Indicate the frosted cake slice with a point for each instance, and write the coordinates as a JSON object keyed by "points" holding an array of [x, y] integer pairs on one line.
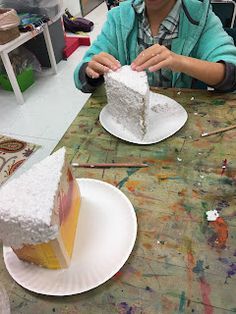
{"points": [[128, 99], [39, 213]]}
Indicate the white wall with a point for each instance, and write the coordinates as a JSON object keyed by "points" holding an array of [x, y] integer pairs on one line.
{"points": [[73, 6]]}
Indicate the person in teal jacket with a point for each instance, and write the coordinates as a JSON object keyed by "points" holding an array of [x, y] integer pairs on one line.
{"points": [[178, 43]]}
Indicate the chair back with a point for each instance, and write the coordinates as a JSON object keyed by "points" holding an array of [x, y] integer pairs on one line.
{"points": [[226, 11]]}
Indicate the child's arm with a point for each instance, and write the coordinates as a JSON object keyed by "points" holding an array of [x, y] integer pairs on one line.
{"points": [[156, 57], [214, 61]]}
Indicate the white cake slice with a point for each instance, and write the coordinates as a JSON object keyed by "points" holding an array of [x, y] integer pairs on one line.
{"points": [[128, 99], [39, 212]]}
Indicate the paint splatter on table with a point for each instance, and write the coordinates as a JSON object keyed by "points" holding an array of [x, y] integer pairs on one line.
{"points": [[181, 263]]}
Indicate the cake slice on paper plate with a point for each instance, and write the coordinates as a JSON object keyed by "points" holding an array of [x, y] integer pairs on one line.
{"points": [[39, 212], [128, 99]]}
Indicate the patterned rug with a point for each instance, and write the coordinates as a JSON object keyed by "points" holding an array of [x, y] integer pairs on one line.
{"points": [[13, 153]]}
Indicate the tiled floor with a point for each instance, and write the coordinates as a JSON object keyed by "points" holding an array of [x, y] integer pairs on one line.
{"points": [[51, 103]]}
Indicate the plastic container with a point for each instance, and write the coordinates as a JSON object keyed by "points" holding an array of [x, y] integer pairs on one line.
{"points": [[25, 80]]}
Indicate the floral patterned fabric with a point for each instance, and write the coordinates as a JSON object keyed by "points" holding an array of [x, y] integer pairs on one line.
{"points": [[13, 153]]}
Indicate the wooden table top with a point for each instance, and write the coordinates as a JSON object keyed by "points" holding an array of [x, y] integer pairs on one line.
{"points": [[181, 263]]}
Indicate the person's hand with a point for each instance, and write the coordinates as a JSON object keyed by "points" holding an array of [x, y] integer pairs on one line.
{"points": [[154, 58], [101, 64]]}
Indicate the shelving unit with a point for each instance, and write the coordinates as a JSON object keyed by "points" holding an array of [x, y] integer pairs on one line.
{"points": [[23, 38]]}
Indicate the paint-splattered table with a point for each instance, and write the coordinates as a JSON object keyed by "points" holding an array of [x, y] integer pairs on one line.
{"points": [[181, 263]]}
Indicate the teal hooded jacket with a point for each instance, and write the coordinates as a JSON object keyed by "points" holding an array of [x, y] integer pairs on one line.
{"points": [[200, 36]]}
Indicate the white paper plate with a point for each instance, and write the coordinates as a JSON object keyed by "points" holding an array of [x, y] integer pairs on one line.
{"points": [[106, 235], [167, 117]]}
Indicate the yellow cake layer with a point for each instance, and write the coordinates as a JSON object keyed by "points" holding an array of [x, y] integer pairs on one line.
{"points": [[57, 253]]}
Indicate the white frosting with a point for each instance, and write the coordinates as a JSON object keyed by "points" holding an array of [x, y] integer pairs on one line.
{"points": [[26, 203], [137, 81], [128, 99]]}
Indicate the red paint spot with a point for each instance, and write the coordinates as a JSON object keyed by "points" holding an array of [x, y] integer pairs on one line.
{"points": [[65, 198], [178, 207], [166, 218], [147, 246], [118, 275], [190, 265], [205, 291], [131, 188], [221, 229], [131, 185]]}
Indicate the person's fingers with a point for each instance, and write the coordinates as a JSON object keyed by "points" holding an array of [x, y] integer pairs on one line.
{"points": [[107, 60], [155, 59], [98, 67], [113, 61], [101, 64], [140, 60], [146, 55], [91, 73]]}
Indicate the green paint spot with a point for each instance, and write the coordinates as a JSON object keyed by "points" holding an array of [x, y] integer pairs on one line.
{"points": [[218, 102], [182, 302], [204, 205], [123, 181], [174, 178], [132, 171], [198, 269], [161, 153], [226, 181], [188, 208]]}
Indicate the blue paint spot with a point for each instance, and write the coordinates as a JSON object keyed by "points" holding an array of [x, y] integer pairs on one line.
{"points": [[224, 260], [126, 307], [198, 269], [182, 302], [232, 270]]}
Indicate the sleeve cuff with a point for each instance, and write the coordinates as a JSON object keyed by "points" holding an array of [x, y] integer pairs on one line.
{"points": [[88, 84], [229, 82]]}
